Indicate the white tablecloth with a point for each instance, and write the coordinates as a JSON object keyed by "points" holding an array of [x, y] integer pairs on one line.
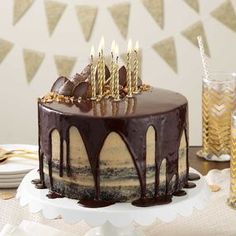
{"points": [[217, 219]]}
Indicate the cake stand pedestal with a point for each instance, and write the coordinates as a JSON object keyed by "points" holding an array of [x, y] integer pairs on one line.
{"points": [[115, 220]]}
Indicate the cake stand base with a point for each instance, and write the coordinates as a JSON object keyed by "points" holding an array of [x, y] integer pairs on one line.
{"points": [[108, 229], [114, 220]]}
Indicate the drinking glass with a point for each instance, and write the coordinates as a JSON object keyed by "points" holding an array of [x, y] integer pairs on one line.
{"points": [[218, 102]]}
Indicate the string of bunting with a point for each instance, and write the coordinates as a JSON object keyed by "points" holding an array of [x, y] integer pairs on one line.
{"points": [[120, 13], [166, 48]]}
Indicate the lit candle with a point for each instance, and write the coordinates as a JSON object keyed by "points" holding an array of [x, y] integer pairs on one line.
{"points": [[103, 60], [116, 78], [128, 68], [93, 74], [136, 67], [113, 48], [100, 67]]}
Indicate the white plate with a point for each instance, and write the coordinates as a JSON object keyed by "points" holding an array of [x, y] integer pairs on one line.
{"points": [[16, 176], [2, 181], [18, 165], [10, 185]]}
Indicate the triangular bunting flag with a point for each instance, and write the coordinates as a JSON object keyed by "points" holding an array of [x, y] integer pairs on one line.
{"points": [[195, 30], [156, 10], [194, 4], [5, 48], [54, 11], [167, 51], [86, 16], [64, 65], [20, 8], [140, 59], [33, 60], [120, 14], [225, 13]]}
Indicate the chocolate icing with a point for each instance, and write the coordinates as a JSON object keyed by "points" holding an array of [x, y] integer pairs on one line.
{"points": [[94, 203], [166, 111], [179, 193], [190, 185], [53, 195]]}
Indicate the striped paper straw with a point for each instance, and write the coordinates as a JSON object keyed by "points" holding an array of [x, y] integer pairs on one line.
{"points": [[203, 57]]}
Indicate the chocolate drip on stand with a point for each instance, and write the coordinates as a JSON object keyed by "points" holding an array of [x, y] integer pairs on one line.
{"points": [[53, 195], [147, 202], [95, 203], [193, 176], [190, 185], [179, 193]]}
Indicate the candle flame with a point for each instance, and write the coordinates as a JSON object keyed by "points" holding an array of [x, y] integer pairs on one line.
{"points": [[129, 46], [117, 50], [113, 47], [136, 46], [101, 45], [92, 52]]}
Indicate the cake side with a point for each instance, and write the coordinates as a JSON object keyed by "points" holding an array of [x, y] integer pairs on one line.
{"points": [[118, 158]]}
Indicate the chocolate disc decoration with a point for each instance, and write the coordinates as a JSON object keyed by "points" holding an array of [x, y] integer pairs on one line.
{"points": [[63, 86], [81, 90], [86, 72], [122, 76], [78, 78]]}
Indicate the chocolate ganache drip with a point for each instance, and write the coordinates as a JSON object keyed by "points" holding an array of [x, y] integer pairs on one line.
{"points": [[69, 102]]}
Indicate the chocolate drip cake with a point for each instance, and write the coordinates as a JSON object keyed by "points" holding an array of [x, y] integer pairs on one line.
{"points": [[102, 151]]}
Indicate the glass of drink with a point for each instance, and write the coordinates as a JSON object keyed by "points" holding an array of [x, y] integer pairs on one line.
{"points": [[218, 102]]}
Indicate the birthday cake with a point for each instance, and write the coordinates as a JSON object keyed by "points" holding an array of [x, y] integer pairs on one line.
{"points": [[108, 147]]}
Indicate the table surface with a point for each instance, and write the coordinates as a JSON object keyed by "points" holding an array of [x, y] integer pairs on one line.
{"points": [[202, 165], [216, 219]]}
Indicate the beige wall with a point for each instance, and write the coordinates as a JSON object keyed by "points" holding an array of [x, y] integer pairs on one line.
{"points": [[18, 120]]}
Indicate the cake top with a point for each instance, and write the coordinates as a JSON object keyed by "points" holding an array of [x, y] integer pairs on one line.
{"points": [[153, 101], [111, 91]]}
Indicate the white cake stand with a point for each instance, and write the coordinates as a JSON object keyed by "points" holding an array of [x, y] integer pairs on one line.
{"points": [[115, 220]]}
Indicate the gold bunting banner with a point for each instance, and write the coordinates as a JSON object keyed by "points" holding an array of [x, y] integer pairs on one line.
{"points": [[225, 14], [64, 64], [167, 51], [194, 4], [120, 14], [33, 60], [20, 8], [54, 11], [156, 10], [5, 48], [86, 16], [195, 30]]}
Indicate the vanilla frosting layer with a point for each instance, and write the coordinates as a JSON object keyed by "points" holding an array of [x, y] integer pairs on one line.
{"points": [[114, 155]]}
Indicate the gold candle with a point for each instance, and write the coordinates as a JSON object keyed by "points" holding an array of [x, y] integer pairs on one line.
{"points": [[136, 68], [128, 68], [101, 71], [116, 77], [103, 61], [113, 47], [93, 74]]}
